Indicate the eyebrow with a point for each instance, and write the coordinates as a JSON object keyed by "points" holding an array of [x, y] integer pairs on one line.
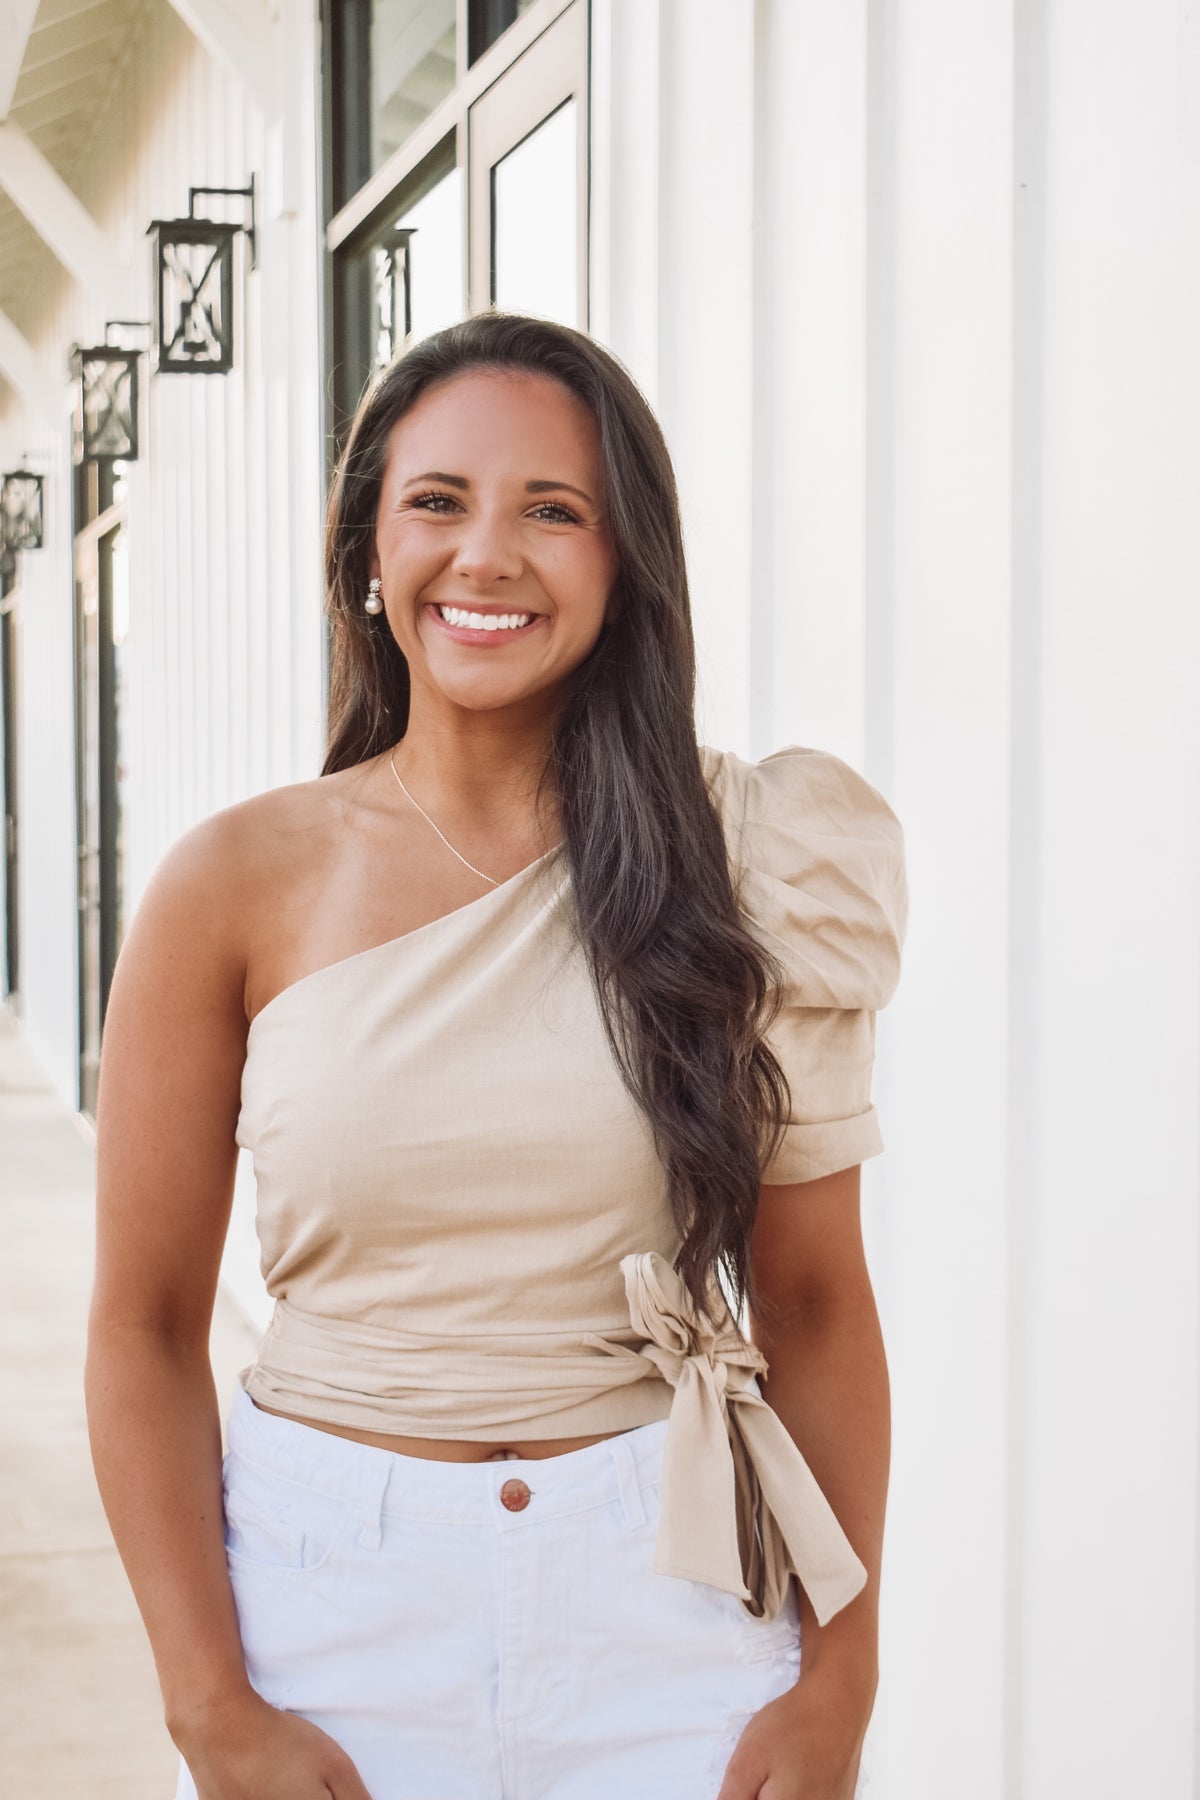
{"points": [[531, 487]]}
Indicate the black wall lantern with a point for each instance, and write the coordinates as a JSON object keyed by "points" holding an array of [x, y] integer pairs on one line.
{"points": [[391, 321], [106, 403], [21, 518], [193, 288]]}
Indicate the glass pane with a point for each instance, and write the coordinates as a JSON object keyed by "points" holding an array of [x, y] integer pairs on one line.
{"points": [[534, 195], [489, 18], [417, 271], [412, 68]]}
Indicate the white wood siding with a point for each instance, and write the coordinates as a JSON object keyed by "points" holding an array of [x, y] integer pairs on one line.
{"points": [[903, 279], [225, 640]]}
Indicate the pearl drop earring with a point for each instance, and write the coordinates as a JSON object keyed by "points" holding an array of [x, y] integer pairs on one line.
{"points": [[374, 599]]}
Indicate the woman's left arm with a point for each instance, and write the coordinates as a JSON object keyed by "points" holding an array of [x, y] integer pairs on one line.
{"points": [[828, 1382]]}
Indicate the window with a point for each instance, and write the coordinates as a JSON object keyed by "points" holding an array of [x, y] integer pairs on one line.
{"points": [[456, 172]]}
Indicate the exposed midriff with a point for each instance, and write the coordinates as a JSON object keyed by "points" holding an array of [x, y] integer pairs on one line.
{"points": [[448, 1449]]}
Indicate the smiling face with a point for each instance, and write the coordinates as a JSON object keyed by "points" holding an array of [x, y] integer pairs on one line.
{"points": [[492, 504]]}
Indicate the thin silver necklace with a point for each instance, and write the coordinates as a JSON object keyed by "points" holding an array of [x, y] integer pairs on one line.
{"points": [[441, 833]]}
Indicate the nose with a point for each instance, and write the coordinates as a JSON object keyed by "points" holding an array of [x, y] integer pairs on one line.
{"points": [[488, 549]]}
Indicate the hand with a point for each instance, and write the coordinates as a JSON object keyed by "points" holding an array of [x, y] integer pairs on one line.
{"points": [[806, 1745], [251, 1750]]}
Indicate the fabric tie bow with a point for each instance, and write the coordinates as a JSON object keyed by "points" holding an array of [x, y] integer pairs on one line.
{"points": [[741, 1509]]}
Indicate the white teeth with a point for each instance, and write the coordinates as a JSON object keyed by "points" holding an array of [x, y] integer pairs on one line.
{"points": [[455, 615]]}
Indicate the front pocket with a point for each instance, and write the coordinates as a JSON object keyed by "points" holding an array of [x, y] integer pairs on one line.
{"points": [[762, 1640], [281, 1528]]}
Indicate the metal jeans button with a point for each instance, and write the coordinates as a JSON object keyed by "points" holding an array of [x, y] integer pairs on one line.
{"points": [[514, 1495]]}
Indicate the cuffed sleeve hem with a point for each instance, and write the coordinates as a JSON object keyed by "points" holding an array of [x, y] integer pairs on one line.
{"points": [[809, 1151]]}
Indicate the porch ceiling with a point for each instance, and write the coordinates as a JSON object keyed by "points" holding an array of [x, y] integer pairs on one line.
{"points": [[68, 73]]}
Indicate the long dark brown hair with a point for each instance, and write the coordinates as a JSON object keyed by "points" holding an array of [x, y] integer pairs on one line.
{"points": [[685, 992]]}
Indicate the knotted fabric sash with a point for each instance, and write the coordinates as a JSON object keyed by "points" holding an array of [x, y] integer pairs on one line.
{"points": [[741, 1509]]}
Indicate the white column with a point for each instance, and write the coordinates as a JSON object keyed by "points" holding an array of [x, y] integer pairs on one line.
{"points": [[706, 332], [626, 87], [809, 616], [1108, 1654], [939, 419]]}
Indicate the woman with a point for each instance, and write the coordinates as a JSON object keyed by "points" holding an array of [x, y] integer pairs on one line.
{"points": [[544, 1026]]}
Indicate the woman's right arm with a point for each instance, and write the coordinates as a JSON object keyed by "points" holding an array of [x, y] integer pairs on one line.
{"points": [[169, 1093]]}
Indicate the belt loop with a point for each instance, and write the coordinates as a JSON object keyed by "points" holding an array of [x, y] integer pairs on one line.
{"points": [[374, 1487], [627, 1481]]}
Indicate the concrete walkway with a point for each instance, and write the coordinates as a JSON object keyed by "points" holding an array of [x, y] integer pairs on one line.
{"points": [[80, 1711]]}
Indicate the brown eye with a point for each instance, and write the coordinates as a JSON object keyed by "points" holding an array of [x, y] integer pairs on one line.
{"points": [[566, 516], [423, 499]]}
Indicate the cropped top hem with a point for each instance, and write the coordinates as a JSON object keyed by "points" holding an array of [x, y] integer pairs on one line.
{"points": [[645, 1406], [418, 1388]]}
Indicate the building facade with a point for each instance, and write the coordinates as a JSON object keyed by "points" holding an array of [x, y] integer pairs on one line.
{"points": [[908, 285]]}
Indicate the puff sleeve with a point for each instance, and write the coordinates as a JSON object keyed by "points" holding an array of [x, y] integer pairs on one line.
{"points": [[820, 858]]}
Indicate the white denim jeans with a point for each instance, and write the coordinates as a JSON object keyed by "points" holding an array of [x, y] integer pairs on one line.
{"points": [[461, 1648]]}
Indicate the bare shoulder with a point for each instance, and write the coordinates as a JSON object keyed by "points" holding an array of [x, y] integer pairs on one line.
{"points": [[200, 916], [251, 852]]}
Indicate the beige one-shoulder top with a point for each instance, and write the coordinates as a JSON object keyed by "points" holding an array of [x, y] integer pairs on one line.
{"points": [[464, 1222]]}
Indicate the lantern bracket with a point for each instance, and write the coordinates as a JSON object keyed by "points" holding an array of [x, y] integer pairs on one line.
{"points": [[243, 193], [124, 325]]}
